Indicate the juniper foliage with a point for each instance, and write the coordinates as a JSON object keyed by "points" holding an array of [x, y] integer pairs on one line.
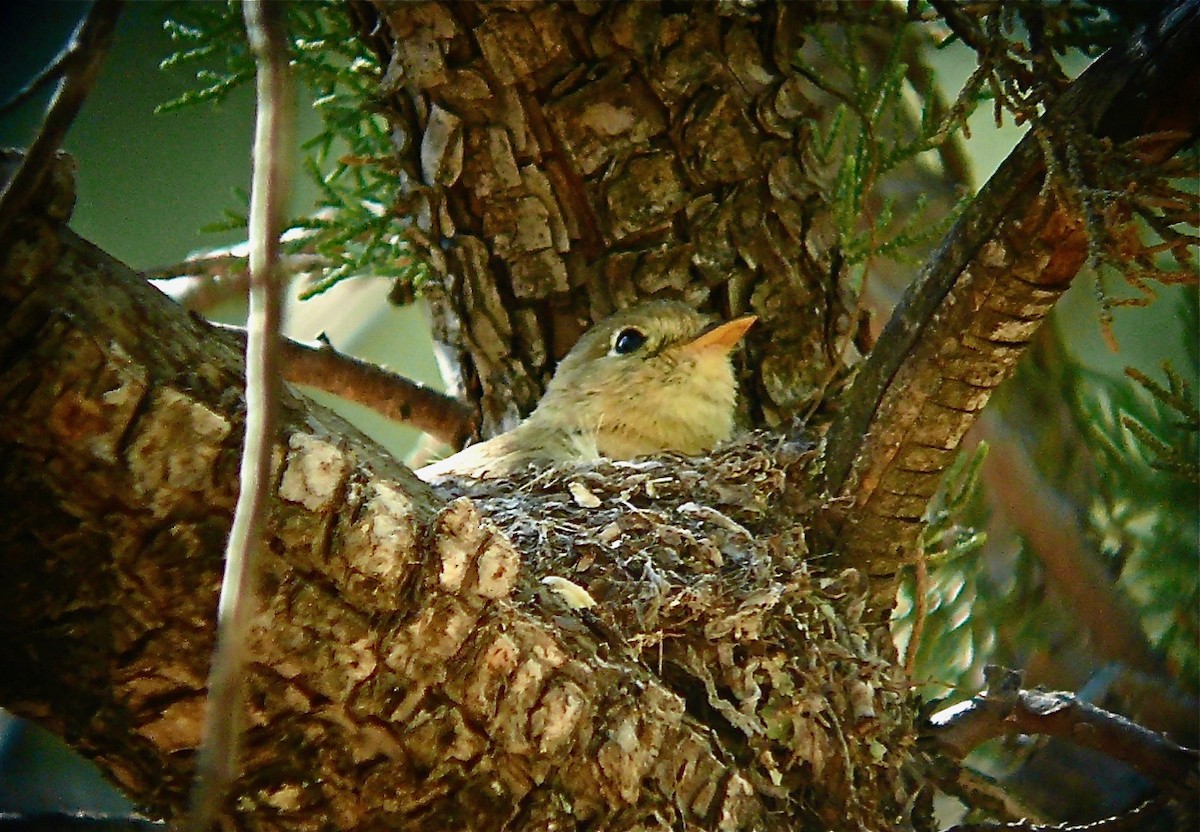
{"points": [[354, 226]]}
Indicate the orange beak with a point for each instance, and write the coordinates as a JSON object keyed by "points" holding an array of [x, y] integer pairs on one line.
{"points": [[722, 337]]}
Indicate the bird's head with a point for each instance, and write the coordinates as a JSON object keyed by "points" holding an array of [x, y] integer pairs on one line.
{"points": [[655, 377]]}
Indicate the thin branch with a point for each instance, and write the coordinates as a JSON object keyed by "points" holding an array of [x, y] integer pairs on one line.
{"points": [[1007, 710], [79, 65], [204, 279], [216, 764], [202, 283], [392, 396], [52, 72]]}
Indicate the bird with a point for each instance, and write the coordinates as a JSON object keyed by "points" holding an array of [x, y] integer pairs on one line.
{"points": [[651, 378]]}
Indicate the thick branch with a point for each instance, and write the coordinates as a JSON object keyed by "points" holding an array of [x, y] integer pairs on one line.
{"points": [[411, 671], [393, 666], [964, 323]]}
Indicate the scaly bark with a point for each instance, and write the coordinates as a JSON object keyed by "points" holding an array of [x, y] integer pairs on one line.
{"points": [[961, 328]]}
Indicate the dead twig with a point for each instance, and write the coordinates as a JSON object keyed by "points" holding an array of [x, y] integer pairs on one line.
{"points": [[1005, 709], [216, 764]]}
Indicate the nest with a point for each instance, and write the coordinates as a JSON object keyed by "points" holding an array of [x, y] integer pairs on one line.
{"points": [[700, 569]]}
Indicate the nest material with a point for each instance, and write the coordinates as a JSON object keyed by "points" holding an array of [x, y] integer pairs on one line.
{"points": [[700, 570]]}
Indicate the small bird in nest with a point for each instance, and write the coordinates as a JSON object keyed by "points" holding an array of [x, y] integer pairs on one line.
{"points": [[648, 379]]}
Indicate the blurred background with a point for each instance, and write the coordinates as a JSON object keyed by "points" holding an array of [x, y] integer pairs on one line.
{"points": [[148, 183]]}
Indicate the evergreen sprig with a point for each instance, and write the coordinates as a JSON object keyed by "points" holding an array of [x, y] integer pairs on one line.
{"points": [[873, 136], [956, 640], [1145, 516], [349, 156], [1134, 213]]}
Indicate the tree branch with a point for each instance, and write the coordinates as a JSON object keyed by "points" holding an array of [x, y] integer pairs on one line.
{"points": [[1006, 710], [961, 327], [392, 396], [410, 666], [78, 67], [205, 280]]}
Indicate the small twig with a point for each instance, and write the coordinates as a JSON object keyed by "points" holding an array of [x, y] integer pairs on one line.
{"points": [[1135, 819], [53, 71], [203, 283], [204, 279], [78, 66], [392, 396], [1010, 710], [216, 764], [920, 613]]}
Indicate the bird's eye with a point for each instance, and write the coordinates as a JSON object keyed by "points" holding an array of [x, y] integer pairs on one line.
{"points": [[627, 341]]}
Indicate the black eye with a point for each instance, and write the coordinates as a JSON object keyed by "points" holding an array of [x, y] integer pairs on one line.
{"points": [[628, 340]]}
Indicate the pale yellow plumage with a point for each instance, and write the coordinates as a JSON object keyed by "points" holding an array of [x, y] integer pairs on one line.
{"points": [[649, 379]]}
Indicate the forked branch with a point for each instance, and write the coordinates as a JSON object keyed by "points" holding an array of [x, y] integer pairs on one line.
{"points": [[962, 325]]}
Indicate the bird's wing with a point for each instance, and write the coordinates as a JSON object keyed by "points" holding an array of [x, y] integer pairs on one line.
{"points": [[528, 444]]}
